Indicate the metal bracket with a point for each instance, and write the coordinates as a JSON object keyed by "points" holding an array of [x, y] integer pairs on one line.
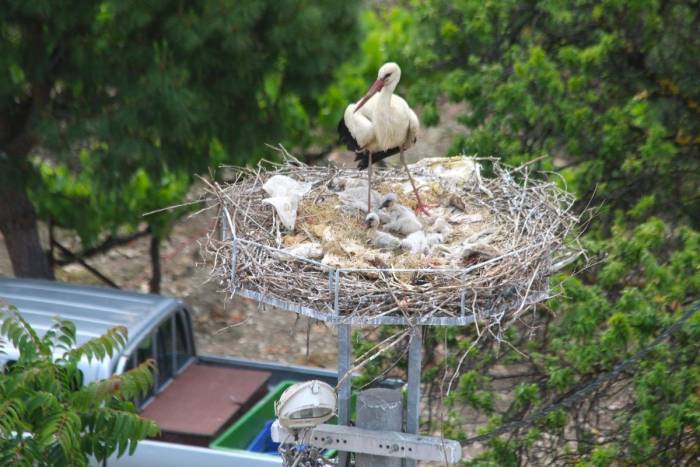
{"points": [[381, 443]]}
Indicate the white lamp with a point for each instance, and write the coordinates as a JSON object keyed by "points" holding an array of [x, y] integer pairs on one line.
{"points": [[306, 405]]}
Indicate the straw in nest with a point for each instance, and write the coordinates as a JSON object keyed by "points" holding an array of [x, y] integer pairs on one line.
{"points": [[505, 236]]}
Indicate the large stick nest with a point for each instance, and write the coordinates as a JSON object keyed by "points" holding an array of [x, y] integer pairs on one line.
{"points": [[505, 235]]}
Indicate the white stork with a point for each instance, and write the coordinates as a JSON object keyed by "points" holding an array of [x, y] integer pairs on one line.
{"points": [[380, 125]]}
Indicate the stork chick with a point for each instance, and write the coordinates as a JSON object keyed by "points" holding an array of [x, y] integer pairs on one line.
{"points": [[346, 183], [422, 242], [442, 227], [355, 198], [472, 253], [378, 238], [399, 218], [416, 243]]}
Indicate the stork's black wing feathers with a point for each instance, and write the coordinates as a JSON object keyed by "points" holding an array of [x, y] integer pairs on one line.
{"points": [[345, 137], [362, 158]]}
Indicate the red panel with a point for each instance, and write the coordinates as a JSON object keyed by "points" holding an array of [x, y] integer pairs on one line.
{"points": [[204, 399]]}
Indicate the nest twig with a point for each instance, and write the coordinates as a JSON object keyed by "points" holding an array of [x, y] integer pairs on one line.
{"points": [[531, 223]]}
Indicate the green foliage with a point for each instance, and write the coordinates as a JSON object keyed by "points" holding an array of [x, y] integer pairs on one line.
{"points": [[608, 93], [47, 415], [581, 83], [79, 202], [108, 108], [648, 276], [468, 391]]}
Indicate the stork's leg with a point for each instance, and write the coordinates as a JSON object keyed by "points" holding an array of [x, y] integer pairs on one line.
{"points": [[369, 183], [420, 207]]}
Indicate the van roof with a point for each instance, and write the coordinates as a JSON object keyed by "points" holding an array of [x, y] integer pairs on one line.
{"points": [[94, 310]]}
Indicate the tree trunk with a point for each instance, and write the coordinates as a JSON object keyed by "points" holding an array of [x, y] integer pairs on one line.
{"points": [[154, 284], [19, 227]]}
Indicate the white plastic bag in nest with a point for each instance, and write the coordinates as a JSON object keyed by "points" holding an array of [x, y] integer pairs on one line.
{"points": [[285, 193], [460, 171], [302, 250]]}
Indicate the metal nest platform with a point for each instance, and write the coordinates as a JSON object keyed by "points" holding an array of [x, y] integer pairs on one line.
{"points": [[326, 305], [526, 222]]}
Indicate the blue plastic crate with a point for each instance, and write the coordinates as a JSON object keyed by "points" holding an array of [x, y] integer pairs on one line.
{"points": [[263, 441]]}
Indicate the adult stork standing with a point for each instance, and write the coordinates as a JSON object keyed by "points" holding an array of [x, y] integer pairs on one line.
{"points": [[380, 125]]}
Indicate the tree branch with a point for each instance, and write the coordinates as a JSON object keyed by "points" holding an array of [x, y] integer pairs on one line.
{"points": [[107, 245], [97, 273]]}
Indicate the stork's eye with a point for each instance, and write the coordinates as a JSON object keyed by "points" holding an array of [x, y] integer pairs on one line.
{"points": [[386, 76]]}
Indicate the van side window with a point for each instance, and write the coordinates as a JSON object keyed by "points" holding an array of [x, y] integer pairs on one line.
{"points": [[182, 347], [129, 364], [172, 351], [143, 353], [164, 352]]}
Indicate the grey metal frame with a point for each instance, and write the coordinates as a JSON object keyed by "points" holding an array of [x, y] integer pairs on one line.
{"points": [[415, 356], [395, 444], [345, 389]]}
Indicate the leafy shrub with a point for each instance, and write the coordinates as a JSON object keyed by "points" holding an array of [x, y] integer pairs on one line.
{"points": [[47, 415]]}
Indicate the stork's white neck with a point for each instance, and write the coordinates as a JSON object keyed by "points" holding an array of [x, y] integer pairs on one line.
{"points": [[385, 95]]}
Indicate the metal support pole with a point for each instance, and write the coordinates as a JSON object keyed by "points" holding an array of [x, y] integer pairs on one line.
{"points": [[344, 365], [415, 355], [380, 409]]}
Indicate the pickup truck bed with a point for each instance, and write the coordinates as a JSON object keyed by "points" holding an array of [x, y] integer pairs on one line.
{"points": [[203, 401], [195, 396]]}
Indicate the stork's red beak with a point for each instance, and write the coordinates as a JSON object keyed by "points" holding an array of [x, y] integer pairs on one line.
{"points": [[376, 87]]}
